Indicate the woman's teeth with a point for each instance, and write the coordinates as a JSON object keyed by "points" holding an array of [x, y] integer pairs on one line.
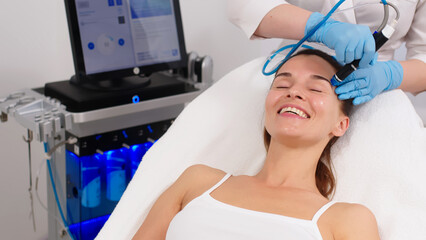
{"points": [[294, 111]]}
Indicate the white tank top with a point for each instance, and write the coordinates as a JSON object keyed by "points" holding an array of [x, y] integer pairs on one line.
{"points": [[207, 218]]}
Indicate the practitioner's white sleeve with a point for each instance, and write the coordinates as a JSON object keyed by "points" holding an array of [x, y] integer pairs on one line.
{"points": [[247, 14], [416, 36]]}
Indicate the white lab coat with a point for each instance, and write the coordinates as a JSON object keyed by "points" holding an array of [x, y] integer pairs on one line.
{"points": [[411, 28]]}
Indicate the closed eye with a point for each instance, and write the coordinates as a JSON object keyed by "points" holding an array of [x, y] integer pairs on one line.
{"points": [[316, 90]]}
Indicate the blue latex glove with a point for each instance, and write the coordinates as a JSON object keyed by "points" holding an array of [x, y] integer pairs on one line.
{"points": [[365, 83], [349, 41]]}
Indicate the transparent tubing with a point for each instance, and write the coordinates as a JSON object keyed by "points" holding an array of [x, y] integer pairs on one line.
{"points": [[366, 4], [57, 200], [38, 196], [48, 156]]}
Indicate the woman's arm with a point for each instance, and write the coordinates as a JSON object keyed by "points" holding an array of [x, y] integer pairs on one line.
{"points": [[247, 14], [414, 80], [284, 21], [164, 209], [355, 222]]}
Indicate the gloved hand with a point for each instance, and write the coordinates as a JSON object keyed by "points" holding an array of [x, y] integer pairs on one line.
{"points": [[349, 41], [365, 83]]}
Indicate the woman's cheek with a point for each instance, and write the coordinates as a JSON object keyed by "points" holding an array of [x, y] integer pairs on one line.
{"points": [[319, 103], [272, 98]]}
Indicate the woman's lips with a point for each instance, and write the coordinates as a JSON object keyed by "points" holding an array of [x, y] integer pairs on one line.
{"points": [[293, 111]]}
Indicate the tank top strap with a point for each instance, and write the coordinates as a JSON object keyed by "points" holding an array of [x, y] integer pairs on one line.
{"points": [[321, 211], [219, 183]]}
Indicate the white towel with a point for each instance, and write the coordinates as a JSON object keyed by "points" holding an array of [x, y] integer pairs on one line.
{"points": [[379, 162]]}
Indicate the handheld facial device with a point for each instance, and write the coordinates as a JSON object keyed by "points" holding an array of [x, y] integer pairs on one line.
{"points": [[380, 38]]}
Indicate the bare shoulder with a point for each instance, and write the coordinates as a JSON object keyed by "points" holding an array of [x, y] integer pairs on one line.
{"points": [[353, 221], [173, 200], [198, 179], [202, 172]]}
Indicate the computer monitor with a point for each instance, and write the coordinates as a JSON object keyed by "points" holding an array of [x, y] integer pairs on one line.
{"points": [[124, 39]]}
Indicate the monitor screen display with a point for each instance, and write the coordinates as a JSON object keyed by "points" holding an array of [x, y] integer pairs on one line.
{"points": [[118, 38]]}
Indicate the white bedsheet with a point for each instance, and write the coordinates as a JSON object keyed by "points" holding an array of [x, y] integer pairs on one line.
{"points": [[380, 162]]}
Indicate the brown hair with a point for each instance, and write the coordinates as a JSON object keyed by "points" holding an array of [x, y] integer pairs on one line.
{"points": [[324, 177]]}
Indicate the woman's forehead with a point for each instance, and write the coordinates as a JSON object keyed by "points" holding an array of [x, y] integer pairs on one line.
{"points": [[309, 63], [313, 68]]}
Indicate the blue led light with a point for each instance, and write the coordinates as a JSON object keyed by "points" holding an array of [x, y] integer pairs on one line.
{"points": [[73, 155], [136, 155], [135, 147], [109, 153], [115, 173], [88, 229], [135, 99], [115, 166], [90, 181], [91, 45], [150, 129], [98, 137], [125, 134]]}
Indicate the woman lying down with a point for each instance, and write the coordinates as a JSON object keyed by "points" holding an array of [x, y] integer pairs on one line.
{"points": [[289, 198]]}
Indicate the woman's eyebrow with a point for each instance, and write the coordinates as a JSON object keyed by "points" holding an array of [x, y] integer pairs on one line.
{"points": [[313, 76], [283, 74]]}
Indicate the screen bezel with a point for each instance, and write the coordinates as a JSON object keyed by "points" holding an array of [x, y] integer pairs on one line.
{"points": [[78, 57]]}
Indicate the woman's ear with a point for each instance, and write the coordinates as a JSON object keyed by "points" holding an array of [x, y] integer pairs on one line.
{"points": [[341, 126]]}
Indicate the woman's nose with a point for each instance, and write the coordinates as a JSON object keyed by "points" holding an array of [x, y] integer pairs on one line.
{"points": [[295, 93]]}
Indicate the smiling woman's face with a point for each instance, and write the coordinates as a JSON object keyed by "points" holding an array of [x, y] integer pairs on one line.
{"points": [[301, 106]]}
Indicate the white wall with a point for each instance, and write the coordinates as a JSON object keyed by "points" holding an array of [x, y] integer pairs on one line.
{"points": [[35, 49]]}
